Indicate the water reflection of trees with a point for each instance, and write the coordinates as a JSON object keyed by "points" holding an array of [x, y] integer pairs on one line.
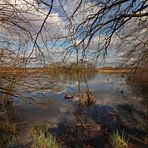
{"points": [[91, 126], [9, 121], [135, 118], [77, 129], [136, 114], [12, 85], [72, 75], [138, 81]]}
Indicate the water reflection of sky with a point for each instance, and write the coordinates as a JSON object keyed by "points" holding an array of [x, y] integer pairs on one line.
{"points": [[108, 89], [45, 99]]}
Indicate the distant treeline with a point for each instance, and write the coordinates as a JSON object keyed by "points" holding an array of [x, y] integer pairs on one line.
{"points": [[60, 67], [72, 66], [121, 69]]}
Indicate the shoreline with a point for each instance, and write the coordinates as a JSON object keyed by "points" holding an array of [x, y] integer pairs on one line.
{"points": [[16, 70]]}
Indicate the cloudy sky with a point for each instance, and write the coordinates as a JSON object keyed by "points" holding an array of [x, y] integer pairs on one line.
{"points": [[51, 43]]}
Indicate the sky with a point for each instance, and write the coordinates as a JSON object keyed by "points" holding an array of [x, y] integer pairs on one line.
{"points": [[51, 49]]}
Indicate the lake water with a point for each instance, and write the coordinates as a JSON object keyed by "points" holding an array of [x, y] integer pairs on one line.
{"points": [[41, 97]]}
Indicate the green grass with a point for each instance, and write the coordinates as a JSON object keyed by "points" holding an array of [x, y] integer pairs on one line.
{"points": [[41, 138], [117, 140]]}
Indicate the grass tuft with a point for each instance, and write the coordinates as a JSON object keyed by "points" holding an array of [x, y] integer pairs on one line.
{"points": [[41, 138], [117, 140]]}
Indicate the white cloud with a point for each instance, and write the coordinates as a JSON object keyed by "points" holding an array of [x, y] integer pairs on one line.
{"points": [[29, 15]]}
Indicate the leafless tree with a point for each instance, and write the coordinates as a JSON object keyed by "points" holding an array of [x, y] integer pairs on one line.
{"points": [[110, 24], [21, 25], [88, 22]]}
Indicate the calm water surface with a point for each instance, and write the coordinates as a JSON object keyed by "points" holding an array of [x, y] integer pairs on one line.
{"points": [[41, 97]]}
